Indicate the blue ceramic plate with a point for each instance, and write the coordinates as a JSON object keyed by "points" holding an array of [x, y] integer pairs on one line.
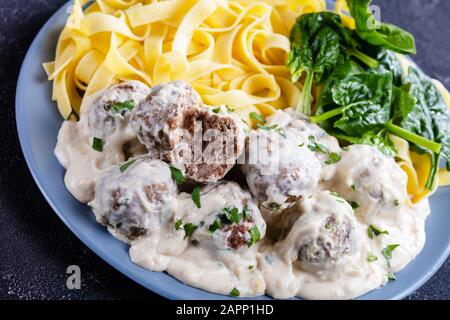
{"points": [[38, 123]]}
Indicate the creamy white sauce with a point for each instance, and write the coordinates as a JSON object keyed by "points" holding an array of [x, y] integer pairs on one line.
{"points": [[206, 260]]}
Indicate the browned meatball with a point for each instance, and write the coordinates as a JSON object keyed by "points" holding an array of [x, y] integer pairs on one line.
{"points": [[202, 142]]}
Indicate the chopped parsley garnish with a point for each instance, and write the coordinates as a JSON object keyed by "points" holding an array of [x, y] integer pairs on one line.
{"points": [[373, 232], [224, 219], [258, 117], [196, 197], [371, 257], [177, 175], [354, 205], [339, 198], [387, 254], [216, 110], [215, 226], [189, 229], [391, 276], [396, 203], [301, 145], [233, 214], [255, 235], [314, 146], [333, 157], [118, 225], [250, 267], [272, 206], [353, 187], [120, 107], [97, 144], [274, 127], [229, 109], [246, 214], [178, 224], [235, 293], [126, 165]]}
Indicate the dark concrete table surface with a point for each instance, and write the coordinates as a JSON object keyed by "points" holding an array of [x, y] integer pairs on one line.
{"points": [[36, 247]]}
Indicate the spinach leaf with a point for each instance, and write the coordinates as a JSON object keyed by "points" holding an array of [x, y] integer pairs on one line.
{"points": [[318, 41], [363, 102], [314, 51], [430, 117], [380, 34], [388, 62], [364, 109], [346, 68]]}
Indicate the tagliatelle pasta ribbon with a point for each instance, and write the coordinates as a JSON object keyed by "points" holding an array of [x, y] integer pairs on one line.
{"points": [[232, 51]]}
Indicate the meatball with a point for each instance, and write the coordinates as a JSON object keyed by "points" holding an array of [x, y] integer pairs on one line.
{"points": [[371, 180], [304, 132], [278, 170], [228, 219], [113, 106], [324, 235], [203, 142], [135, 197]]}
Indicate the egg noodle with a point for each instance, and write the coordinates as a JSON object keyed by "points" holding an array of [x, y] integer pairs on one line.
{"points": [[232, 52]]}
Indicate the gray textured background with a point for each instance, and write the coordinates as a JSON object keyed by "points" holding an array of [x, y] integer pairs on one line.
{"points": [[36, 247]]}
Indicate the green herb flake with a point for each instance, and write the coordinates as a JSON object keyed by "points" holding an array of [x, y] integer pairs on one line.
{"points": [[126, 165], [246, 214], [371, 257], [233, 214], [235, 293], [216, 110], [396, 203], [255, 235], [229, 109], [387, 254], [353, 187], [120, 107], [354, 205], [391, 276], [189, 229], [316, 147], [273, 206], [177, 175], [214, 226], [333, 158], [196, 197], [257, 117], [273, 127], [97, 144], [178, 224], [251, 267], [373, 232]]}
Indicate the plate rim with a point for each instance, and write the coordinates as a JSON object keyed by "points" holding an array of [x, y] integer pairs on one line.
{"points": [[157, 289]]}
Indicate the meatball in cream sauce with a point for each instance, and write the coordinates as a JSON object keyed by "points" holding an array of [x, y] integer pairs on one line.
{"points": [[315, 222]]}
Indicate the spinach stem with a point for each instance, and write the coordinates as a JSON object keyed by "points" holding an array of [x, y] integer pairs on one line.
{"points": [[304, 104], [434, 158], [327, 115], [364, 58], [414, 138]]}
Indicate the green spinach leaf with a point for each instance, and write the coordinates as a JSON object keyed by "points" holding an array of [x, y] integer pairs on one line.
{"points": [[380, 34]]}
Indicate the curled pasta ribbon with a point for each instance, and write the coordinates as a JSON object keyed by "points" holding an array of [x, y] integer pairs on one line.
{"points": [[232, 51]]}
